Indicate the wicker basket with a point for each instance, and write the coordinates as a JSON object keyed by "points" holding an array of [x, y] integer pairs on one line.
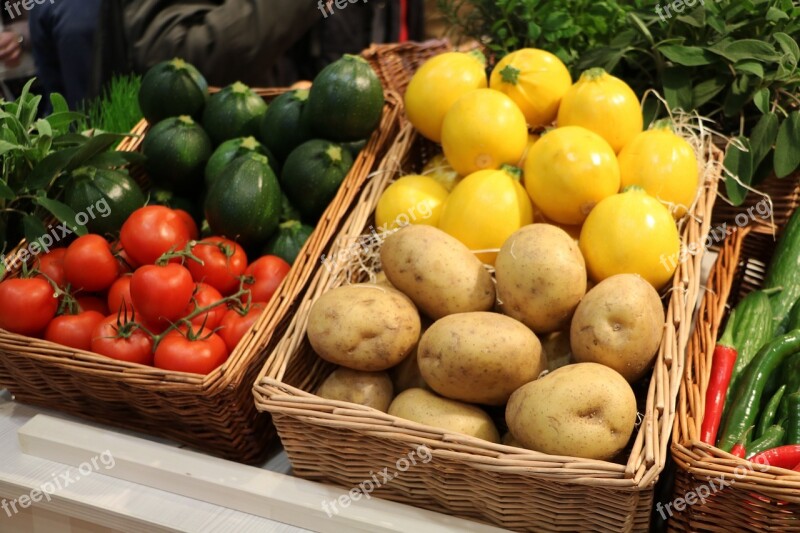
{"points": [[784, 194], [396, 63], [761, 499], [345, 444], [213, 413]]}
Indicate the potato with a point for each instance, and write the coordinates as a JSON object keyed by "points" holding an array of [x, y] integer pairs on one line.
{"points": [[556, 350], [541, 277], [380, 279], [436, 271], [479, 357], [509, 440], [407, 375], [619, 324], [425, 407], [373, 389], [363, 327], [582, 410]]}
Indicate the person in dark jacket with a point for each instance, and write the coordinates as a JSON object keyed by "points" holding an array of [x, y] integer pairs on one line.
{"points": [[258, 42], [62, 39]]}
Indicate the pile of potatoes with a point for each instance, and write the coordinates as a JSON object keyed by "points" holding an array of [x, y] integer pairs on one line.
{"points": [[442, 342]]}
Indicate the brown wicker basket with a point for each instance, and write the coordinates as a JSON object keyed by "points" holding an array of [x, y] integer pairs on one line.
{"points": [[784, 194], [344, 444], [762, 498], [396, 63], [213, 413]]}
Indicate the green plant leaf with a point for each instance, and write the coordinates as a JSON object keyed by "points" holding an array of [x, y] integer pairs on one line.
{"points": [[763, 137], [788, 45], [58, 103], [746, 49], [6, 192], [689, 56], [92, 147], [32, 228], [787, 146], [740, 164], [115, 159], [641, 27], [678, 88], [707, 89], [63, 119], [750, 67], [761, 99], [6, 147], [48, 169], [774, 14], [62, 212], [738, 95]]}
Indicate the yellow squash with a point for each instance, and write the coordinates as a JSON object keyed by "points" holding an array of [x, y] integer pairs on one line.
{"points": [[604, 104], [631, 233], [483, 130], [437, 85], [485, 208], [568, 171], [664, 165], [440, 170], [410, 200], [536, 80]]}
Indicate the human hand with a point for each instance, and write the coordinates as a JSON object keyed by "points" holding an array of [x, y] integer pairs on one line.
{"points": [[10, 48]]}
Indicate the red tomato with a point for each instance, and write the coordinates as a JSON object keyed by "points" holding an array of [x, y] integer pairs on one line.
{"points": [[51, 265], [120, 292], [151, 231], [92, 303], [26, 305], [234, 325], [191, 225], [126, 262], [204, 296], [179, 353], [268, 272], [89, 264], [74, 331], [223, 262], [124, 342], [161, 294]]}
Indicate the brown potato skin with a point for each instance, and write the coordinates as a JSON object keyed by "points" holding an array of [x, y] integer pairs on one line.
{"points": [[425, 407], [479, 357], [363, 327], [541, 277], [440, 275], [372, 389], [583, 410], [619, 323]]}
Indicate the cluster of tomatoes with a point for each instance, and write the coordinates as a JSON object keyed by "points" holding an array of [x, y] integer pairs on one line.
{"points": [[158, 296]]}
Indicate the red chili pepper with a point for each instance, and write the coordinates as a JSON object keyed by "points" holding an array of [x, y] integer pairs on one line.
{"points": [[787, 456], [721, 370], [738, 449]]}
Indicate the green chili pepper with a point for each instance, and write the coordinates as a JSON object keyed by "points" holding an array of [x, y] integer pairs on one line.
{"points": [[769, 412], [750, 388], [793, 425], [772, 438]]}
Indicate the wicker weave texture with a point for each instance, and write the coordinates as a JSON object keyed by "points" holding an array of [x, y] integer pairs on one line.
{"points": [[761, 499], [518, 489], [213, 413]]}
